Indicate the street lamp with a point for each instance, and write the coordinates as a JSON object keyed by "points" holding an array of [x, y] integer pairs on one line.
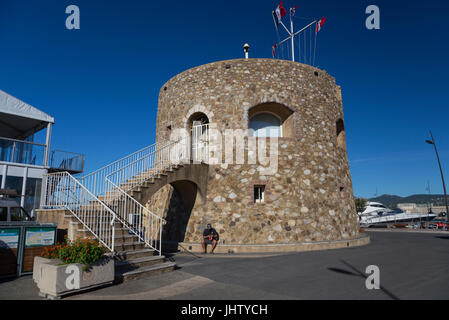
{"points": [[432, 142]]}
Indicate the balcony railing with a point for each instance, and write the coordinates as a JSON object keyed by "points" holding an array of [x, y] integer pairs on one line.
{"points": [[19, 151], [66, 161], [32, 153]]}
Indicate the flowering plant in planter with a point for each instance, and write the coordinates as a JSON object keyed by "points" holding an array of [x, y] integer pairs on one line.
{"points": [[72, 266], [83, 251]]}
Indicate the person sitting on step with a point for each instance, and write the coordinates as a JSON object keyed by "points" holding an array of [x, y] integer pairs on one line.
{"points": [[210, 236]]}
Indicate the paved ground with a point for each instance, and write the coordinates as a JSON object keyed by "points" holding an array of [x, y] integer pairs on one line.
{"points": [[412, 266]]}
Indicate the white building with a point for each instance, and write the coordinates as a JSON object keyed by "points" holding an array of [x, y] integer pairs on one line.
{"points": [[23, 161]]}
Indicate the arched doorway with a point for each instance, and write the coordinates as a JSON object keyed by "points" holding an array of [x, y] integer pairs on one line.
{"points": [[199, 134], [180, 199]]}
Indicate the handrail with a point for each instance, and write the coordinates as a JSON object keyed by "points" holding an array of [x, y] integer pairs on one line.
{"points": [[143, 223], [95, 181], [23, 141], [162, 158], [148, 226], [147, 167], [112, 184], [62, 190], [117, 161]]}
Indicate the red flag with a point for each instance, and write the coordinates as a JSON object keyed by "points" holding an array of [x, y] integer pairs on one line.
{"points": [[279, 13], [319, 24], [274, 50]]}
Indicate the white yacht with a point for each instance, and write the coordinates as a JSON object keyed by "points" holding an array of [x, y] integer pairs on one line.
{"points": [[377, 213], [375, 209]]}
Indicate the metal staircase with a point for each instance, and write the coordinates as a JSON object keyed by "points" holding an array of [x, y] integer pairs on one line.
{"points": [[102, 201]]}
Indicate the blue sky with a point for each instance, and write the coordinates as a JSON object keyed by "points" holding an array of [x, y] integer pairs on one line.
{"points": [[394, 80]]}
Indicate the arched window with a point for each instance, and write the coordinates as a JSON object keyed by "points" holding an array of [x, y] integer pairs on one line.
{"points": [[266, 125], [271, 119], [198, 119]]}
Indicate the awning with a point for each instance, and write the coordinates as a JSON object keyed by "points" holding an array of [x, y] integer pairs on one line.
{"points": [[18, 119]]}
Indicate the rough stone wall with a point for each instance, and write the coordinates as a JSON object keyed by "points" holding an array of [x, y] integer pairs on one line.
{"points": [[160, 201], [168, 203], [310, 198]]}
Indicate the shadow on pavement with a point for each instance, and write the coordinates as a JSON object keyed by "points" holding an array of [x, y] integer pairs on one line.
{"points": [[358, 273], [8, 279], [343, 271]]}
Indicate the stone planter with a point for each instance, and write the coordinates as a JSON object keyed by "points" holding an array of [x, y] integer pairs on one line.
{"points": [[55, 279]]}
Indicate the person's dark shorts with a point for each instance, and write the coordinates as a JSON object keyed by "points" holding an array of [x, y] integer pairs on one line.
{"points": [[207, 241]]}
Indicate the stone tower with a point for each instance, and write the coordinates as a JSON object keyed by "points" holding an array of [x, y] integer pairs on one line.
{"points": [[308, 199]]}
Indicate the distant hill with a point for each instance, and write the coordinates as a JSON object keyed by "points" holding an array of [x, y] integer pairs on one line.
{"points": [[392, 201]]}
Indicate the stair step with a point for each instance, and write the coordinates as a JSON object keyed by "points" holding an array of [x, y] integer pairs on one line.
{"points": [[129, 246], [122, 231], [146, 271], [133, 264], [95, 228], [95, 212], [103, 219], [119, 232], [125, 239], [94, 225], [134, 254]]}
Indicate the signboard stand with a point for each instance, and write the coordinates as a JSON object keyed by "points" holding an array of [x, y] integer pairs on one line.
{"points": [[20, 242]]}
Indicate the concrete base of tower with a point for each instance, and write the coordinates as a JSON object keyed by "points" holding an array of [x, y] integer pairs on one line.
{"points": [[361, 240]]}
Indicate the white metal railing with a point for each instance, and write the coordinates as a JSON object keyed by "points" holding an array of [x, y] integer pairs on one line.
{"points": [[108, 187], [131, 213], [200, 143], [161, 158], [95, 181], [146, 225], [63, 191], [139, 220]]}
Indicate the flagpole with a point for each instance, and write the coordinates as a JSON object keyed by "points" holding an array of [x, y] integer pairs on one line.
{"points": [[314, 51], [293, 37]]}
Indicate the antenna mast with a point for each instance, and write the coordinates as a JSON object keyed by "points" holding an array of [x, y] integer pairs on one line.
{"points": [[278, 14], [292, 12]]}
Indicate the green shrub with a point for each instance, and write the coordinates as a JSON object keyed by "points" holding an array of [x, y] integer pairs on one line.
{"points": [[80, 251]]}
